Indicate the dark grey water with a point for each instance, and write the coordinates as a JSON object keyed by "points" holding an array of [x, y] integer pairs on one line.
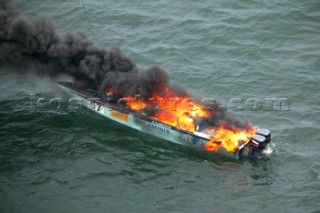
{"points": [[56, 160]]}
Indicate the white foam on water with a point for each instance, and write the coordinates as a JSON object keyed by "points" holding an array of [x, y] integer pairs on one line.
{"points": [[268, 150]]}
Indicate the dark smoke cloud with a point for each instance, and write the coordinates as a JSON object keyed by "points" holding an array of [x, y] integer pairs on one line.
{"points": [[35, 43]]}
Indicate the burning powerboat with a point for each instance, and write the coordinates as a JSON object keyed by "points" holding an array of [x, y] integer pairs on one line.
{"points": [[163, 109], [178, 126]]}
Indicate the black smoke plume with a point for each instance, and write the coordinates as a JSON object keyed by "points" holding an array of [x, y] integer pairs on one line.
{"points": [[35, 43]]}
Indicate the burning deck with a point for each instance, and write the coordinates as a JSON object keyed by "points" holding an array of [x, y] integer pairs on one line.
{"points": [[179, 125]]}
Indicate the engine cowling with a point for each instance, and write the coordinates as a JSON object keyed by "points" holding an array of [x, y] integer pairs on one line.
{"points": [[258, 142]]}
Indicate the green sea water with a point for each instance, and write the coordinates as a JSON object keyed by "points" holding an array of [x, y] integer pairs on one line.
{"points": [[60, 160]]}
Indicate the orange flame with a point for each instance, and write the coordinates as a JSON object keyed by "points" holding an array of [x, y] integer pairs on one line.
{"points": [[134, 103], [230, 140], [179, 111]]}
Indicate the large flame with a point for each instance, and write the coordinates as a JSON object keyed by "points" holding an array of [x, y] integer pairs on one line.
{"points": [[229, 139], [176, 110], [182, 112], [179, 111]]}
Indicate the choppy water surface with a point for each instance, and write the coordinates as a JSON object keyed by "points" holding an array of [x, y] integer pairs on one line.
{"points": [[56, 160]]}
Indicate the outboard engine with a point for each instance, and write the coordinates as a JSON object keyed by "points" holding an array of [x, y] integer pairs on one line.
{"points": [[258, 142], [264, 132]]}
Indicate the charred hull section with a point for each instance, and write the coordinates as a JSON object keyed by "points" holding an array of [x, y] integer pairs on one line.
{"points": [[196, 140]]}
